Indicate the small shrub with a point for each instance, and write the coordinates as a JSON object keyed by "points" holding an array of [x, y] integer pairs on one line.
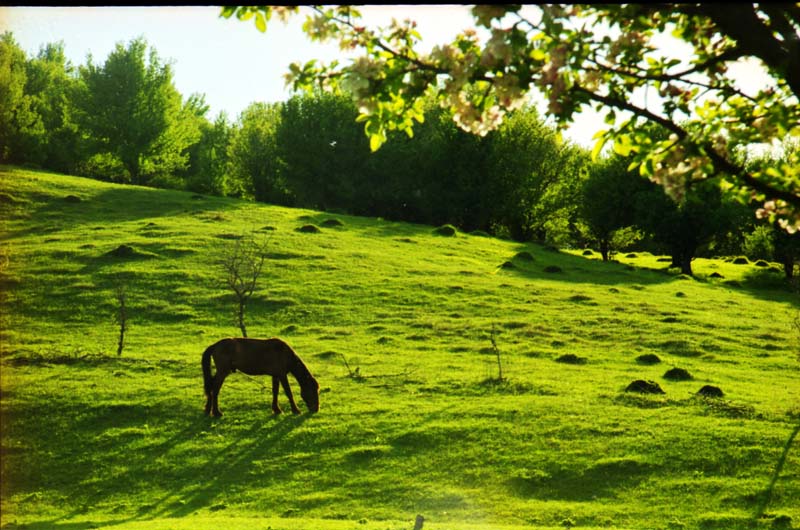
{"points": [[631, 255], [479, 233], [309, 229], [588, 252], [74, 199], [761, 263], [332, 223], [741, 260], [445, 230], [508, 265], [553, 269], [525, 256], [716, 275]]}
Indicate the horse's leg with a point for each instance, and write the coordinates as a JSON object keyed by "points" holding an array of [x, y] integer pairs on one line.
{"points": [[219, 378], [276, 409], [288, 390]]}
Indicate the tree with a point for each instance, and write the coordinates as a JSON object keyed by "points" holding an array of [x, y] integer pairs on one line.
{"points": [[55, 142], [607, 200], [322, 150], [241, 264], [601, 55], [131, 110], [683, 227], [208, 159], [16, 116], [255, 169]]}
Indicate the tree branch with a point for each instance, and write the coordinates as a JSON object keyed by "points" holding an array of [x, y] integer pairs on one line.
{"points": [[721, 164]]}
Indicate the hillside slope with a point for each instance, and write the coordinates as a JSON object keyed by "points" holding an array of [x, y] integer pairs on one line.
{"points": [[403, 328]]}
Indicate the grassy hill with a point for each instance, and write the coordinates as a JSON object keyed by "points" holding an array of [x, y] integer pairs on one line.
{"points": [[403, 328]]}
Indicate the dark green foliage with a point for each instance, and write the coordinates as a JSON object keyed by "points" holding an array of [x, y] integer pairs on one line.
{"points": [[445, 230], [133, 114], [606, 199]]}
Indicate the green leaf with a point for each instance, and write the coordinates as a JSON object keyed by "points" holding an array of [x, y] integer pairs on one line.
{"points": [[261, 24], [375, 141], [622, 145], [598, 146]]}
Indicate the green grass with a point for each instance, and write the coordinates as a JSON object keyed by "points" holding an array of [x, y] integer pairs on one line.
{"points": [[416, 422]]}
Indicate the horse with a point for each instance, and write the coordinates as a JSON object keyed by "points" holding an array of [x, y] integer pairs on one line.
{"points": [[258, 357]]}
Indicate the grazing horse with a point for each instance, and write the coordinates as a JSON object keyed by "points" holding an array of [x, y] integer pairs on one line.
{"points": [[258, 357]]}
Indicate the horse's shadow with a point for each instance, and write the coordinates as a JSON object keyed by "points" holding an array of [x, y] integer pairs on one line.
{"points": [[226, 466]]}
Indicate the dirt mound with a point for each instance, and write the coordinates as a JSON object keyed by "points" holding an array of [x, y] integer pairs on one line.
{"points": [[644, 387], [678, 374], [123, 251], [711, 392], [648, 358], [571, 358]]}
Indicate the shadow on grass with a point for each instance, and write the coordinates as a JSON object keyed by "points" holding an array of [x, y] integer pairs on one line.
{"points": [[601, 479], [119, 205], [538, 262]]}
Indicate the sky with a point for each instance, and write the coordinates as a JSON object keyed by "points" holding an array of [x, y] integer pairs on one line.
{"points": [[228, 60]]}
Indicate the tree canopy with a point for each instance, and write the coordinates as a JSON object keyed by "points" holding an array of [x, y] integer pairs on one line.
{"points": [[610, 57]]}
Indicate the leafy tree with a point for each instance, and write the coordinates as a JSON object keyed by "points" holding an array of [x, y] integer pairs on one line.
{"points": [[684, 227], [601, 55], [208, 158], [531, 176], [254, 167], [131, 110], [322, 149], [16, 117], [607, 200], [51, 85]]}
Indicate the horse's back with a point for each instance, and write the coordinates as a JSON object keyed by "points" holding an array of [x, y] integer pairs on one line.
{"points": [[255, 356]]}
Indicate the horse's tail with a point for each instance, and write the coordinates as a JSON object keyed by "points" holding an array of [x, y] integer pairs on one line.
{"points": [[206, 363]]}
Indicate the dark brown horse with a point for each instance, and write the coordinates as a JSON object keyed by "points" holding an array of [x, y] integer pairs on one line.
{"points": [[258, 357]]}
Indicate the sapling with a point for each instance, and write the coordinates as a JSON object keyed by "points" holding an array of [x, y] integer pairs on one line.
{"points": [[121, 316], [241, 264]]}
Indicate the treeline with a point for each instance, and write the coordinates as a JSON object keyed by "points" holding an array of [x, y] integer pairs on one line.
{"points": [[124, 121]]}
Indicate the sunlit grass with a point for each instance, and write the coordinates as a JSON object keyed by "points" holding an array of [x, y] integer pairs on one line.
{"points": [[396, 322]]}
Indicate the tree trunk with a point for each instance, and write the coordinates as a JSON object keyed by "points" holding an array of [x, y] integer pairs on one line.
{"points": [[241, 318], [686, 264], [604, 248], [788, 267]]}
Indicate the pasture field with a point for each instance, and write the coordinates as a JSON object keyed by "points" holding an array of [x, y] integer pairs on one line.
{"points": [[402, 327]]}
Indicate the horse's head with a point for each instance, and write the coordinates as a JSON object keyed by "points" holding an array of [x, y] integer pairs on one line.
{"points": [[310, 395]]}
